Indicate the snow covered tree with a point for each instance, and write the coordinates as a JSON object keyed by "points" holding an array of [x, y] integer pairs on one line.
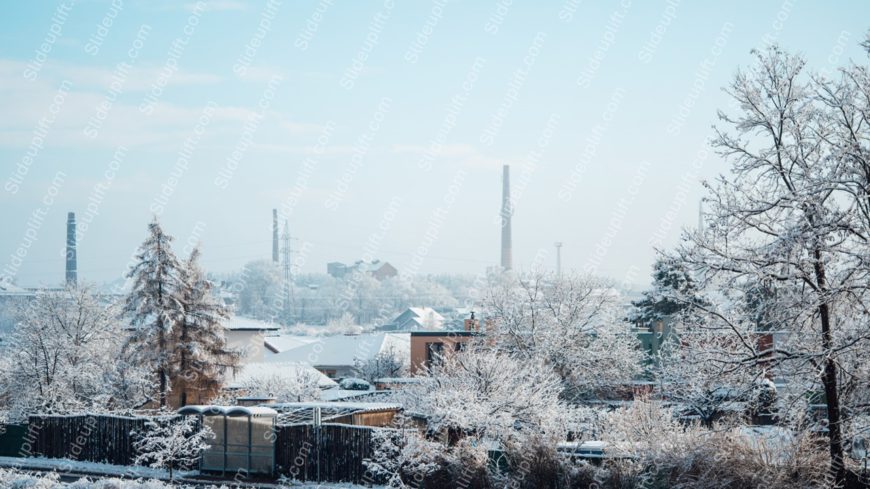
{"points": [[692, 371], [405, 458], [670, 277], [200, 357], [387, 363], [300, 386], [572, 323], [789, 215], [488, 394], [154, 305], [845, 99], [260, 290], [61, 353], [170, 442], [345, 324], [177, 329]]}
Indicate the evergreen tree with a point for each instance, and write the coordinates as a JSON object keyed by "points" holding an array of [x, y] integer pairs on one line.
{"points": [[673, 291], [154, 304], [200, 353]]}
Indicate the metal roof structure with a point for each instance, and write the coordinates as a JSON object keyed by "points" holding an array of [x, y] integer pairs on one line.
{"points": [[208, 410], [305, 412]]}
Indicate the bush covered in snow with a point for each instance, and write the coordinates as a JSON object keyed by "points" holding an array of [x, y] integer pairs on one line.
{"points": [[19, 480], [172, 443], [404, 458], [653, 448]]}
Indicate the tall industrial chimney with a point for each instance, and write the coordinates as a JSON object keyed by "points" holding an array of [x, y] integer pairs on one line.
{"points": [[275, 235], [506, 212], [71, 264], [558, 245]]}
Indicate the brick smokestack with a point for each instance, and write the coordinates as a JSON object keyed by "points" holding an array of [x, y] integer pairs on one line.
{"points": [[71, 262], [506, 212], [275, 235]]}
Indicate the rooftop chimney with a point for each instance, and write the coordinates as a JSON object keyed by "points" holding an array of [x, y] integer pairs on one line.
{"points": [[472, 324], [275, 235], [71, 265], [506, 212]]}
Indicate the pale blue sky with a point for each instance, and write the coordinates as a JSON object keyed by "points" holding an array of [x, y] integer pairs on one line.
{"points": [[466, 51]]}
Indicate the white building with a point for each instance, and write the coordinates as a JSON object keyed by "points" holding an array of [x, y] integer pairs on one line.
{"points": [[248, 336]]}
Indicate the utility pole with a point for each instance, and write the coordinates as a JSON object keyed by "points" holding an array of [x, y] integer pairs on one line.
{"points": [[558, 245]]}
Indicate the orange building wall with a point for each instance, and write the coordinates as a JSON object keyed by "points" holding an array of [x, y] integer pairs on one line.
{"points": [[419, 348]]}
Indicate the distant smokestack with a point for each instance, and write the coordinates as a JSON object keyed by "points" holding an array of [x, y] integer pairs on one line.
{"points": [[275, 235], [71, 264], [506, 212]]}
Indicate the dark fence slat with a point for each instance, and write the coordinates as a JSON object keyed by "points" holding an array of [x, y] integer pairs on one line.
{"points": [[330, 453], [87, 438]]}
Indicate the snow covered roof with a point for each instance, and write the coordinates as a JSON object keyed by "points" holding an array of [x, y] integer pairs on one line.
{"points": [[239, 323], [426, 311], [289, 370], [414, 318], [282, 343], [209, 410], [10, 288], [346, 349]]}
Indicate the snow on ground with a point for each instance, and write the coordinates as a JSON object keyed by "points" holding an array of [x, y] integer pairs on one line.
{"points": [[78, 466], [45, 473]]}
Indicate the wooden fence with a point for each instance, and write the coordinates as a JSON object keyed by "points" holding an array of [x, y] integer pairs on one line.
{"points": [[328, 453], [87, 438], [12, 441]]}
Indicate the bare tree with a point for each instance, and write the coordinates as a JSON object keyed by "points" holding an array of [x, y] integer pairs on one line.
{"points": [[64, 354], [573, 323], [387, 363], [783, 217]]}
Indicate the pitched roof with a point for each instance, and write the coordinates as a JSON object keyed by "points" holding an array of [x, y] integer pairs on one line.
{"points": [[346, 349], [423, 312], [290, 370], [281, 343]]}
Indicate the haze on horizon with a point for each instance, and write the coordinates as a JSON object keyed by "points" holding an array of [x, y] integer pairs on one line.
{"points": [[377, 128]]}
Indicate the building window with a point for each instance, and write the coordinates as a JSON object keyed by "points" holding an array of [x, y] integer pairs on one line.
{"points": [[434, 354]]}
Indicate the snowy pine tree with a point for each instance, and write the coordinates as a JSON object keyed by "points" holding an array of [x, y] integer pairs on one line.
{"points": [[674, 289], [200, 356], [154, 305]]}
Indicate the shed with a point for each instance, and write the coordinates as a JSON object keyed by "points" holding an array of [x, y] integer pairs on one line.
{"points": [[244, 438]]}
